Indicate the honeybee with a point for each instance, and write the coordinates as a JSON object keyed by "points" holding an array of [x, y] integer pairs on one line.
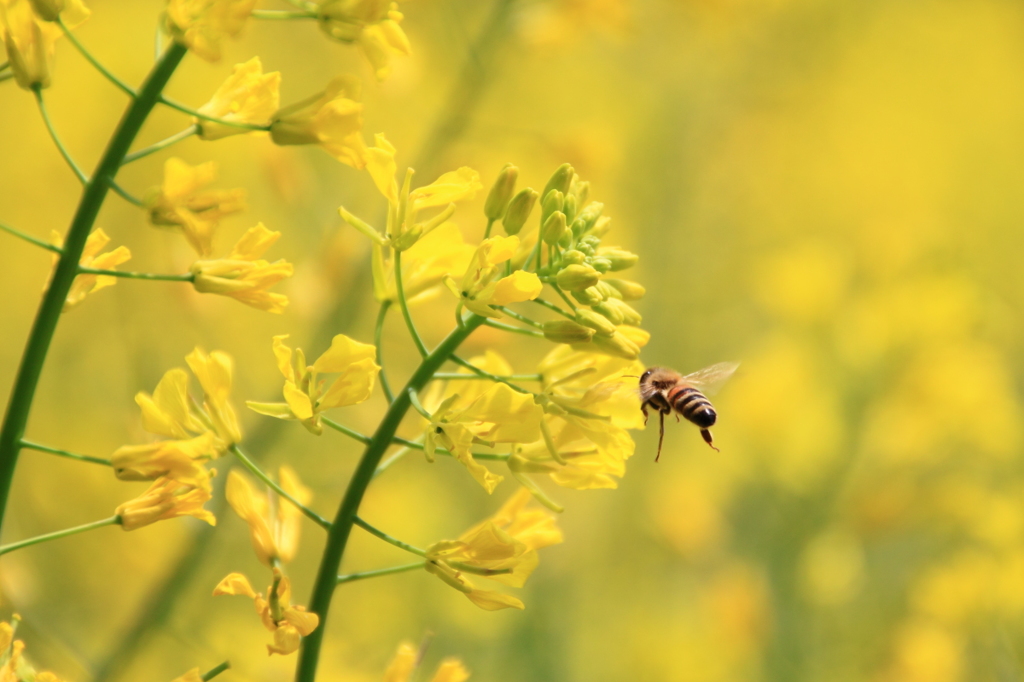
{"points": [[666, 390]]}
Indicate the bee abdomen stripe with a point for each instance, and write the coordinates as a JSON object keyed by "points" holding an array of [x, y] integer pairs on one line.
{"points": [[683, 400]]}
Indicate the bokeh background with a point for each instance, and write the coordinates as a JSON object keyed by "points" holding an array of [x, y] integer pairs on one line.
{"points": [[829, 192]]}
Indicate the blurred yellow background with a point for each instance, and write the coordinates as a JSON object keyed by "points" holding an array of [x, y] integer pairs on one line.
{"points": [[827, 192]]}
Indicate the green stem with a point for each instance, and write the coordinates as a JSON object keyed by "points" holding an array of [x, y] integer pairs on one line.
{"points": [[341, 528], [213, 672], [281, 14], [514, 330], [495, 456], [487, 375], [6, 76], [125, 194], [213, 119], [378, 336], [187, 277], [487, 230], [351, 433], [388, 538], [162, 144], [128, 90], [414, 398], [568, 301], [455, 376], [30, 239], [112, 521], [551, 306], [258, 473], [5, 66], [399, 287], [362, 575], [522, 318], [56, 140], [64, 453], [22, 394]]}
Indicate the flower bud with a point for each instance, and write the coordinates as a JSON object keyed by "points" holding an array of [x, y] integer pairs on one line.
{"points": [[601, 227], [626, 312], [519, 210], [582, 192], [567, 331], [573, 257], [501, 192], [569, 207], [577, 277], [561, 180], [551, 202], [565, 241], [599, 323], [589, 296], [602, 265], [629, 291], [607, 290], [587, 218], [620, 259], [613, 314], [554, 228], [617, 345]]}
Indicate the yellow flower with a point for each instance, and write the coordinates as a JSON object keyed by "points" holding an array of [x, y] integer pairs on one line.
{"points": [[304, 393], [242, 275], [503, 548], [424, 265], [165, 499], [406, 659], [479, 290], [214, 372], [167, 412], [275, 536], [86, 284], [371, 24], [288, 623], [332, 119], [201, 24], [180, 460], [29, 42], [180, 205], [499, 415], [247, 96]]}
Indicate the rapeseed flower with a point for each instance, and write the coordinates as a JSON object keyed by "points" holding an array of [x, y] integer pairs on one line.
{"points": [[165, 499], [200, 25], [242, 275], [304, 392], [214, 370], [406, 659], [85, 283], [179, 204], [180, 460], [332, 119], [288, 623], [424, 265], [481, 289], [247, 96], [29, 42], [274, 532], [372, 25]]}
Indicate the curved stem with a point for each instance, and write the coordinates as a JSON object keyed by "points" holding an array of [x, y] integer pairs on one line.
{"points": [[362, 575], [495, 456], [56, 140], [125, 194], [514, 330], [213, 672], [38, 344], [258, 473], [206, 117], [128, 90], [551, 306], [29, 445], [351, 433], [568, 301], [388, 538], [112, 521], [341, 528], [522, 318], [187, 277], [414, 398], [162, 144], [30, 239], [378, 336], [487, 375], [420, 346]]}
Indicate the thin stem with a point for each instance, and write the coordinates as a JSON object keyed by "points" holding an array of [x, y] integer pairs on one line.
{"points": [[568, 301], [345, 430], [521, 318], [5, 66], [493, 377], [378, 336], [487, 230], [455, 376], [162, 144], [187, 277], [391, 540], [494, 456], [112, 521], [213, 119], [341, 528], [30, 239], [64, 453], [128, 90], [551, 306], [37, 346], [362, 575], [399, 287], [514, 330], [281, 14], [213, 672], [6, 76], [125, 194], [258, 473], [414, 398], [82, 178]]}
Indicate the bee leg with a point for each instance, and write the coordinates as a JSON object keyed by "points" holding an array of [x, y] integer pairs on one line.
{"points": [[661, 434], [643, 408], [677, 419], [707, 439]]}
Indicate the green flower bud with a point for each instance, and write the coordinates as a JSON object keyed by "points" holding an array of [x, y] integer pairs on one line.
{"points": [[630, 291], [561, 180], [577, 277], [601, 227], [569, 207], [567, 331], [627, 312], [599, 323], [551, 202], [620, 259], [582, 192], [607, 290], [616, 345], [554, 228], [591, 241], [565, 241], [588, 296], [587, 218], [602, 265], [573, 257], [47, 10], [519, 209], [586, 249], [611, 313], [501, 192]]}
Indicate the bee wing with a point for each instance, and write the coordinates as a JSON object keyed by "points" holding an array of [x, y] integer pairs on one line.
{"points": [[710, 379]]}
